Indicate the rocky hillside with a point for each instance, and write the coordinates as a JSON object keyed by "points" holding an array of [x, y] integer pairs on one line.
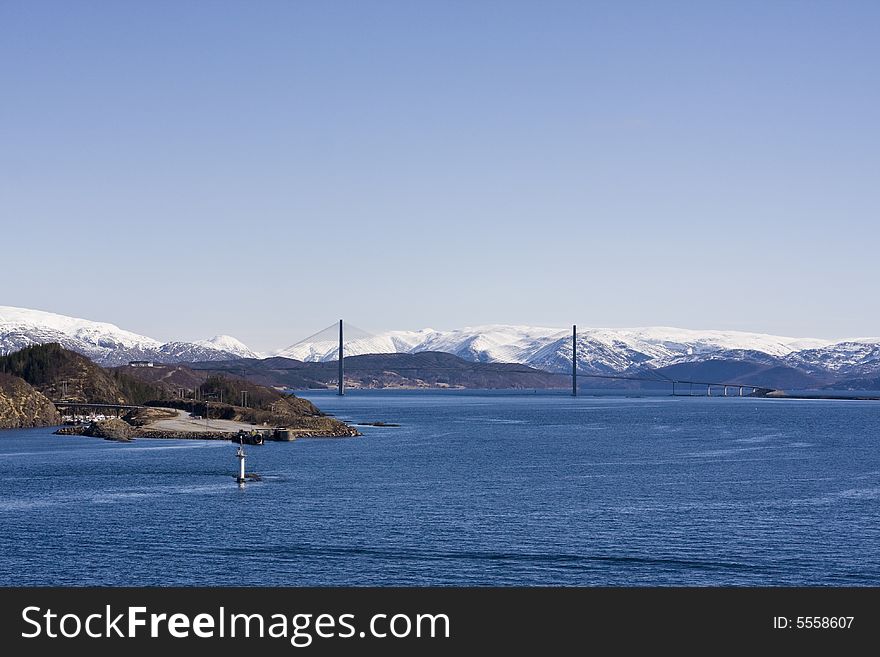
{"points": [[62, 374], [244, 401], [23, 406], [172, 377], [231, 398], [35, 375]]}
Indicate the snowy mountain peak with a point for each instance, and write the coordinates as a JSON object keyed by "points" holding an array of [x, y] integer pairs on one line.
{"points": [[99, 333], [603, 350], [106, 344], [229, 345], [600, 350], [499, 342]]}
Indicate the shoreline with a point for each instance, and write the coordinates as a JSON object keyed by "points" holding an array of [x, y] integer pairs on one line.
{"points": [[163, 434], [783, 395]]}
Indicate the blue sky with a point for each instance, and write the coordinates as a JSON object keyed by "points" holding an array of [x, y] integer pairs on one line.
{"points": [[262, 168]]}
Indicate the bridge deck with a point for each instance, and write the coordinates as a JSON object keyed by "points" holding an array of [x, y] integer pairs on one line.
{"points": [[68, 403]]}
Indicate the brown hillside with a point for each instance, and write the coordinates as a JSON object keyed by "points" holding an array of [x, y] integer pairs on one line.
{"points": [[23, 406], [62, 374]]}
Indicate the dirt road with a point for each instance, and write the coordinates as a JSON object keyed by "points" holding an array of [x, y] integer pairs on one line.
{"points": [[183, 422]]}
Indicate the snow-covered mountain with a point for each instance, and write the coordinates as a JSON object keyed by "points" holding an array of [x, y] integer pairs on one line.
{"points": [[849, 359], [204, 350], [600, 350], [228, 345], [610, 351], [106, 344], [387, 343]]}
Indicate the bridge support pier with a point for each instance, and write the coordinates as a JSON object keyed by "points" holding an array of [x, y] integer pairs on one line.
{"points": [[725, 391], [341, 385], [740, 391], [708, 390]]}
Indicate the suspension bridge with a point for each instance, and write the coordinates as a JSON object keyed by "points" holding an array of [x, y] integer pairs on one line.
{"points": [[341, 338], [75, 407]]}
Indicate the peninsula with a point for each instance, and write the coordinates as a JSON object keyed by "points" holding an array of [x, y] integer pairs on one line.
{"points": [[47, 385]]}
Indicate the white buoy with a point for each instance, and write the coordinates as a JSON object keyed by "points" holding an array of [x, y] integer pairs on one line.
{"points": [[240, 456]]}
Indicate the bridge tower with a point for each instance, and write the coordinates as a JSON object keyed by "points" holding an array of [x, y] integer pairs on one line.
{"points": [[574, 360], [341, 390]]}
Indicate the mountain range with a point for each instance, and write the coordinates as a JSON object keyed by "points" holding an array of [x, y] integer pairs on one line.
{"points": [[728, 356], [676, 353], [104, 343]]}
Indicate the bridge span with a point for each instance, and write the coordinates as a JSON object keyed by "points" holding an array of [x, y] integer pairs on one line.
{"points": [[74, 406], [648, 375], [339, 333]]}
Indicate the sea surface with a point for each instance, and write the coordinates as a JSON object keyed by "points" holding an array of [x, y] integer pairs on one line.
{"points": [[471, 489]]}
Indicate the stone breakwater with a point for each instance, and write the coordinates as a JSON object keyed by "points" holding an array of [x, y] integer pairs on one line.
{"points": [[113, 430], [347, 432]]}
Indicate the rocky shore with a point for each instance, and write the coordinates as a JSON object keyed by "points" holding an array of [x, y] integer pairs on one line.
{"points": [[347, 432], [119, 430], [21, 405], [34, 376], [112, 429]]}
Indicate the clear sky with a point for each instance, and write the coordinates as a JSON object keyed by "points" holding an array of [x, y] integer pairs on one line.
{"points": [[262, 168]]}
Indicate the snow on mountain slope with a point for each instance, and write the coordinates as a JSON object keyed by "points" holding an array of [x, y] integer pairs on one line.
{"points": [[492, 343], [690, 341], [100, 334], [106, 344], [596, 356], [608, 351], [599, 350], [846, 359], [229, 345], [14, 337], [391, 342], [192, 352]]}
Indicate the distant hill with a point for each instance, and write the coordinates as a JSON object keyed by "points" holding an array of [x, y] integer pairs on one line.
{"points": [[743, 372], [170, 377], [427, 369], [442, 370], [233, 398], [59, 373], [867, 383], [181, 381]]}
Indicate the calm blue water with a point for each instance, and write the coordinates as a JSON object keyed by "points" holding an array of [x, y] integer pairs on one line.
{"points": [[473, 489]]}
